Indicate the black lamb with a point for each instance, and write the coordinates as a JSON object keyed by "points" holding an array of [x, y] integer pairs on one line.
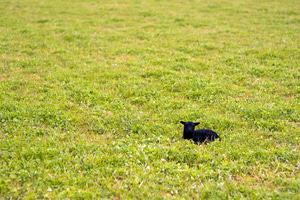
{"points": [[198, 136]]}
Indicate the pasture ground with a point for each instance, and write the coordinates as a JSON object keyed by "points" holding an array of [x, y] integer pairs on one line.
{"points": [[92, 92]]}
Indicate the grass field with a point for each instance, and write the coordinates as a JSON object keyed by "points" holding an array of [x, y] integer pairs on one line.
{"points": [[92, 92]]}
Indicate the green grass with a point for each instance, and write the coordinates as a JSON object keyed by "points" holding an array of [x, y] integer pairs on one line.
{"points": [[92, 92]]}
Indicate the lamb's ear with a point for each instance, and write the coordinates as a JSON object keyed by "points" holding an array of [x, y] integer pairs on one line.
{"points": [[197, 123], [182, 122]]}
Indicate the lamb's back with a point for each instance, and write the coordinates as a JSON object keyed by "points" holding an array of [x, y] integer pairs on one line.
{"points": [[204, 134]]}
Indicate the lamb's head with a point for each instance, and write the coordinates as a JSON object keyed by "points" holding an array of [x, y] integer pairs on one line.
{"points": [[188, 129]]}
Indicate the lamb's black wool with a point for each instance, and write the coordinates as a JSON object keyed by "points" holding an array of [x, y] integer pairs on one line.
{"points": [[198, 136]]}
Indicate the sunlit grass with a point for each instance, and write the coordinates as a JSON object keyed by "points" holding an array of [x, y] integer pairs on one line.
{"points": [[92, 92]]}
